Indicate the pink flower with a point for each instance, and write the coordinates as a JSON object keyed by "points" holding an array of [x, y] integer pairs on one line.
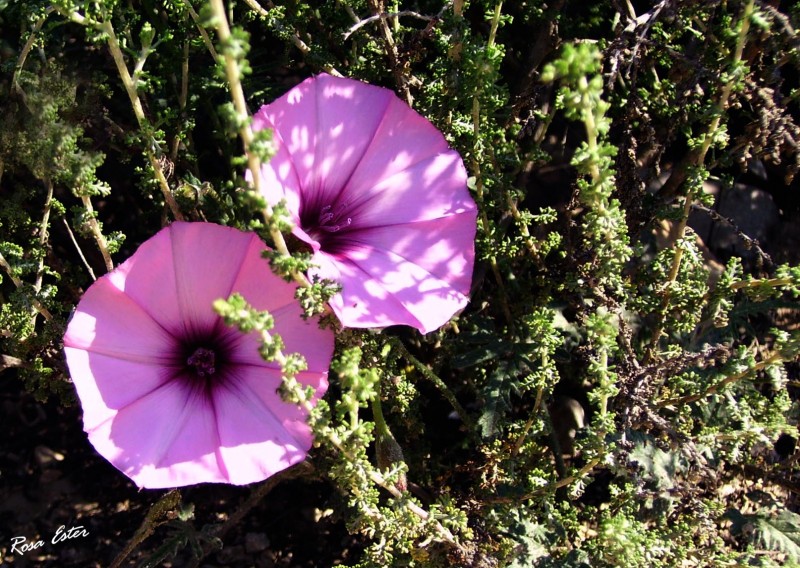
{"points": [[380, 198], [172, 396]]}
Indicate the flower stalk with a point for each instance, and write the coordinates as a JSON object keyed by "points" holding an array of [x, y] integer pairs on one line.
{"points": [[130, 84], [233, 73], [696, 160]]}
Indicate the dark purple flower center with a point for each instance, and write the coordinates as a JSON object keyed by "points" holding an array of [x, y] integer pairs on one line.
{"points": [[203, 360], [326, 223], [204, 357], [333, 220]]}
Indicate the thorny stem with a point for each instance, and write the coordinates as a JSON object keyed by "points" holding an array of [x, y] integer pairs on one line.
{"points": [[234, 74], [679, 231], [435, 379], [159, 513], [94, 226], [130, 87], [775, 357]]}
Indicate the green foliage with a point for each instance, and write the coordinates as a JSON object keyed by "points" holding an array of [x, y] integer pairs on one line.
{"points": [[611, 390]]}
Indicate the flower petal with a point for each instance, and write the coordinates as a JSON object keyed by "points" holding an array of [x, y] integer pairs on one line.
{"points": [[146, 409], [326, 124], [177, 447], [107, 384], [380, 288], [260, 434], [207, 259], [433, 188], [181, 271], [443, 247], [359, 172], [130, 334], [403, 139]]}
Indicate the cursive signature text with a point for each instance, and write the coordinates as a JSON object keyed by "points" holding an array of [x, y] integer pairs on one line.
{"points": [[20, 544]]}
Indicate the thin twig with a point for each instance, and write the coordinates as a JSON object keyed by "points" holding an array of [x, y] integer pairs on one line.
{"points": [[775, 357], [435, 379], [391, 52], [183, 97], [43, 226], [78, 248], [130, 88], [550, 487], [361, 23], [99, 238], [293, 35], [18, 283], [159, 513], [261, 11], [476, 170], [401, 497], [203, 32], [679, 231], [26, 49]]}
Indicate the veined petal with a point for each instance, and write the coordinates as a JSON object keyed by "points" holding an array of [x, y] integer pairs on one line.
{"points": [[259, 433], [148, 279], [403, 138], [443, 247], [433, 188], [259, 386], [167, 438], [381, 288], [207, 259], [130, 334], [326, 124], [250, 281], [106, 384]]}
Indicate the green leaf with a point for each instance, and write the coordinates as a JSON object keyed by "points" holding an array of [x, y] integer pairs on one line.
{"points": [[658, 466], [768, 531]]}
